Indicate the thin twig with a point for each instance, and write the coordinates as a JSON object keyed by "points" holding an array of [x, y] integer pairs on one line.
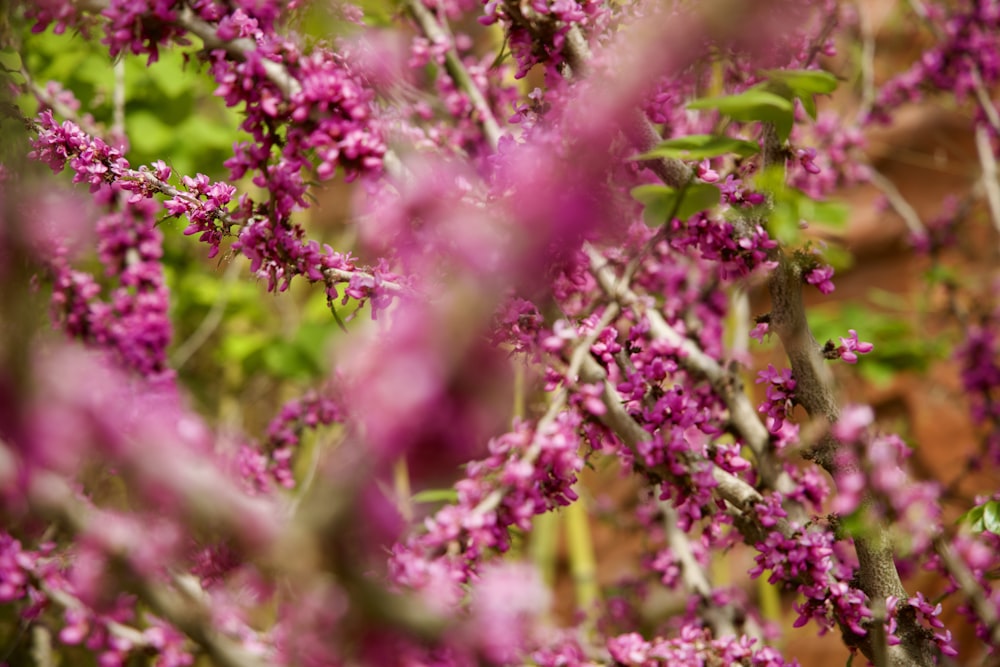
{"points": [[53, 498], [989, 164], [985, 609], [720, 618], [578, 358], [693, 359], [867, 60], [118, 101], [898, 202], [210, 323], [982, 95], [456, 69]]}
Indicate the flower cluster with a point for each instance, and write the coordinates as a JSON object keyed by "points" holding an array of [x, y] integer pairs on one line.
{"points": [[738, 254], [831, 161], [780, 396], [325, 109], [518, 323], [807, 562], [939, 232], [330, 113], [928, 613], [285, 431], [980, 356], [977, 552], [963, 62], [851, 347], [873, 474], [529, 471], [203, 203], [693, 646], [822, 278], [537, 32], [518, 243], [39, 582], [132, 321], [95, 162], [277, 252]]}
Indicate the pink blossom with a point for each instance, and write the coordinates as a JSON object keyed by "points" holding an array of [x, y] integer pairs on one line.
{"points": [[851, 347]]}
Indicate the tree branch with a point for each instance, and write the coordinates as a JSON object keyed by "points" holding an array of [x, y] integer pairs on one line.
{"points": [[984, 608], [456, 69], [814, 391], [693, 359], [53, 498]]}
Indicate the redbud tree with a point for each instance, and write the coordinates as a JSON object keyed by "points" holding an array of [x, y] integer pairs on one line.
{"points": [[314, 315]]}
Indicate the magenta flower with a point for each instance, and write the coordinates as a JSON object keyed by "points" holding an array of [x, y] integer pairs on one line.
{"points": [[821, 277], [706, 173], [806, 157], [851, 347], [758, 332], [854, 419]]}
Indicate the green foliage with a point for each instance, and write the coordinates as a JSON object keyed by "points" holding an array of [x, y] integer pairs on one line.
{"points": [[435, 496], [252, 339], [171, 113], [773, 100], [856, 524], [663, 203], [753, 104], [899, 345], [170, 109], [984, 518], [10, 64], [790, 207], [699, 147], [803, 85]]}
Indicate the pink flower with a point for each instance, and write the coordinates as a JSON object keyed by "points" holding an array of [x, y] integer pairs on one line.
{"points": [[851, 347], [853, 421], [706, 173], [806, 157], [821, 278], [758, 332]]}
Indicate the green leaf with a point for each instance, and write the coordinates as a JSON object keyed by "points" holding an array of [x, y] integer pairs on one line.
{"points": [[900, 347], [753, 104], [659, 201], [67, 65], [698, 197], [205, 132], [10, 59], [699, 147], [839, 257], [856, 524], [663, 202], [991, 516], [939, 274], [804, 81], [830, 213], [809, 104], [791, 206], [783, 224], [801, 84], [435, 496], [974, 518]]}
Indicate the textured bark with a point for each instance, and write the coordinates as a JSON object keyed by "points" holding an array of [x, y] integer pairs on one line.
{"points": [[814, 391]]}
